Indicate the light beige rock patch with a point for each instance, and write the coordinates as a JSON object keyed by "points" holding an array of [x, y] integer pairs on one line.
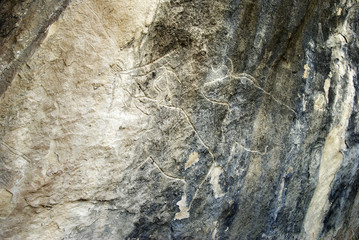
{"points": [[319, 102], [184, 210], [306, 71], [74, 126], [192, 159], [215, 173], [5, 202], [120, 21]]}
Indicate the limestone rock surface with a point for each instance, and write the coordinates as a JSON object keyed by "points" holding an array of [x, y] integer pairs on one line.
{"points": [[179, 119]]}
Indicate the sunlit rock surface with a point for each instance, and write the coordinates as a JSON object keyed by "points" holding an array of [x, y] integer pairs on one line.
{"points": [[179, 119]]}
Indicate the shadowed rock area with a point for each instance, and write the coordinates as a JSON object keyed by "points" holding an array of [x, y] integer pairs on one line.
{"points": [[178, 119]]}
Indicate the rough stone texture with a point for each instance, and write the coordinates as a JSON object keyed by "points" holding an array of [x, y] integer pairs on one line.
{"points": [[22, 26], [181, 119]]}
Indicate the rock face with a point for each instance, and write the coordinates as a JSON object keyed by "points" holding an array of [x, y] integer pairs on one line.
{"points": [[178, 119], [22, 27]]}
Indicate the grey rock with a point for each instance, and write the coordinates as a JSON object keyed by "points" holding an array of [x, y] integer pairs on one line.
{"points": [[181, 120]]}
